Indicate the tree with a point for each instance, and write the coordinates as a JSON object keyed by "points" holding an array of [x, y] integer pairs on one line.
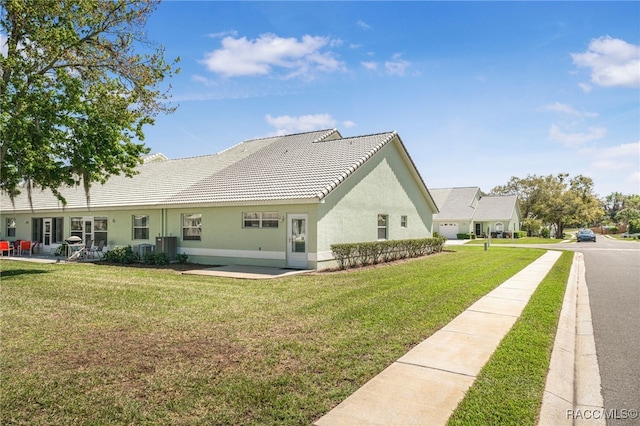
{"points": [[555, 200], [630, 214], [74, 93], [612, 204]]}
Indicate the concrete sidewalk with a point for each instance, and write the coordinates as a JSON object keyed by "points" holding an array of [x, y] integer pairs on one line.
{"points": [[424, 386]]}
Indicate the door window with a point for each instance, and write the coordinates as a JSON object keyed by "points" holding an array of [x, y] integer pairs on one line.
{"points": [[298, 231]]}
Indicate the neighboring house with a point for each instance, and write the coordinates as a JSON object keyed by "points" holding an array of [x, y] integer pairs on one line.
{"points": [[467, 211], [278, 201]]}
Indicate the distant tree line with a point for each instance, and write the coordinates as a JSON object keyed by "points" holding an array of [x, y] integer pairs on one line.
{"points": [[561, 201]]}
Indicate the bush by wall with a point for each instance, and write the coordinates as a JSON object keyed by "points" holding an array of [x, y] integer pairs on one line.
{"points": [[520, 234], [126, 255], [350, 255]]}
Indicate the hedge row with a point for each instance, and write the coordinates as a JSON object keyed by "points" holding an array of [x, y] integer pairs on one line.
{"points": [[349, 255]]}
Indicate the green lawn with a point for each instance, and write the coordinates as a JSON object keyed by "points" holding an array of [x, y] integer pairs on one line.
{"points": [[93, 344], [525, 240]]}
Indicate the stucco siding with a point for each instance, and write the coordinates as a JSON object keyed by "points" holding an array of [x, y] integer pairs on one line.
{"points": [[384, 185]]}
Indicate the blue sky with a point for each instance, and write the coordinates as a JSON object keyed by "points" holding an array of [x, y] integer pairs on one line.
{"points": [[477, 91]]}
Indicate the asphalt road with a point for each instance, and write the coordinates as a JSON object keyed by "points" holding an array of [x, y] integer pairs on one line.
{"points": [[613, 279]]}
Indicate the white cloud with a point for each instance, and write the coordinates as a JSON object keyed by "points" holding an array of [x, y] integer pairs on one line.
{"points": [[4, 49], [297, 58], [286, 124], [348, 123], [567, 109], [625, 150], [613, 62], [634, 178], [586, 88], [370, 65], [363, 25], [576, 139], [204, 80], [221, 34], [609, 165], [397, 65]]}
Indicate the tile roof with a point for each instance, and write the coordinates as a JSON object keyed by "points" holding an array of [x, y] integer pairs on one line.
{"points": [[455, 203], [305, 166], [460, 204], [496, 208]]}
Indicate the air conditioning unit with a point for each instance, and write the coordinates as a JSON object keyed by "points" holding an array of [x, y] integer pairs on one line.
{"points": [[144, 249], [168, 245]]}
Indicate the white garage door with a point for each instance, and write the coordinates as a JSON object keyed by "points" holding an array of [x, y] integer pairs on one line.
{"points": [[448, 230]]}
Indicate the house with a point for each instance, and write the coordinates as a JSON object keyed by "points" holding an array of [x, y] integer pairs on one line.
{"points": [[466, 211], [278, 201]]}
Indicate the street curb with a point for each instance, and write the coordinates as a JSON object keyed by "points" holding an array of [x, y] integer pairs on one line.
{"points": [[573, 393]]}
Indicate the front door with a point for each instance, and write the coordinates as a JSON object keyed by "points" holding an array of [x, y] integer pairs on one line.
{"points": [[297, 240], [46, 235]]}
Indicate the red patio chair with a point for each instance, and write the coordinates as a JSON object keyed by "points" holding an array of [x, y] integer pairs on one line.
{"points": [[25, 246], [5, 246]]}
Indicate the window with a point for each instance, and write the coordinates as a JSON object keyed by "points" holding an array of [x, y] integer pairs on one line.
{"points": [[260, 220], [100, 230], [382, 226], [76, 227], [403, 221], [11, 227], [192, 227], [140, 227], [58, 230], [92, 230]]}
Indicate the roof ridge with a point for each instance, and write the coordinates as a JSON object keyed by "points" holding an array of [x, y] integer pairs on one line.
{"points": [[328, 131], [326, 135], [191, 157]]}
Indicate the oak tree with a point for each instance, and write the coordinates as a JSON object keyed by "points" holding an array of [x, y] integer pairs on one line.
{"points": [[78, 81]]}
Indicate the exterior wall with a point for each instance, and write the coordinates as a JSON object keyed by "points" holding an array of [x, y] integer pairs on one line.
{"points": [[383, 185], [463, 226], [509, 225], [223, 241], [119, 225]]}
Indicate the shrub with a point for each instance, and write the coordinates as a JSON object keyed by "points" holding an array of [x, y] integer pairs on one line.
{"points": [[155, 259], [463, 236], [124, 255], [545, 233], [350, 255], [520, 234], [183, 258]]}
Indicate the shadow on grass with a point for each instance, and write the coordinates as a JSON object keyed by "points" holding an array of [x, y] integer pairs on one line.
{"points": [[16, 272]]}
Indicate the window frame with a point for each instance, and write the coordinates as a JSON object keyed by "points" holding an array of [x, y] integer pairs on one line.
{"points": [[196, 229], [11, 226], [144, 227], [259, 221], [384, 227], [404, 221]]}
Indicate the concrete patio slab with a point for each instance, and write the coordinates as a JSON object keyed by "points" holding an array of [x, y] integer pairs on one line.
{"points": [[246, 272]]}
